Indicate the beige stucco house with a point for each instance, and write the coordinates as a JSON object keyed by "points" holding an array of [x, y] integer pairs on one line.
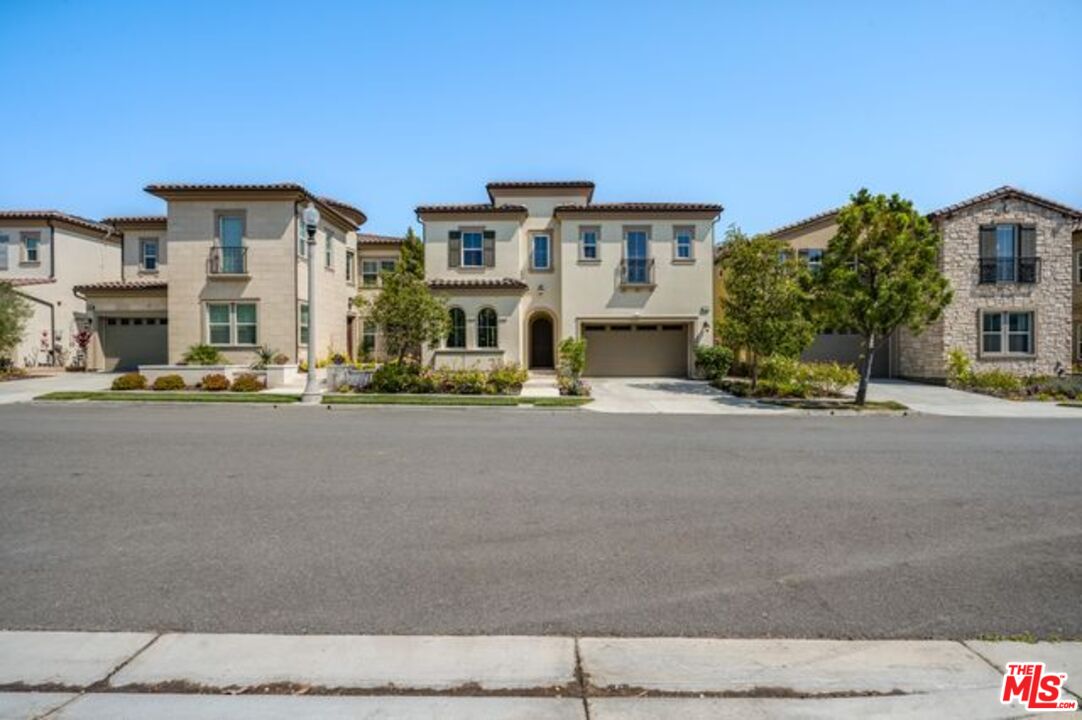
{"points": [[227, 265], [1016, 274], [540, 261], [44, 254], [376, 254]]}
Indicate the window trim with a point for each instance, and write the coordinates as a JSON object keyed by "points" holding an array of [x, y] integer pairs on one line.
{"points": [[495, 329], [303, 323], [351, 261], [805, 255], [596, 230], [233, 324], [365, 334], [220, 215], [144, 243], [379, 262], [328, 251], [24, 248], [677, 231], [534, 267], [480, 232], [1005, 333], [465, 334]]}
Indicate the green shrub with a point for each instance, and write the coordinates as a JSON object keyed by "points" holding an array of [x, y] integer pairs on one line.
{"points": [[280, 359], [203, 354], [994, 382], [215, 382], [1068, 387], [168, 382], [787, 377], [461, 382], [576, 387], [507, 379], [130, 381], [830, 378], [572, 357], [248, 382], [959, 368], [713, 361], [395, 377]]}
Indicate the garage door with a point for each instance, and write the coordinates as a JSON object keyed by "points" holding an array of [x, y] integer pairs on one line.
{"points": [[844, 348], [128, 342], [636, 350]]}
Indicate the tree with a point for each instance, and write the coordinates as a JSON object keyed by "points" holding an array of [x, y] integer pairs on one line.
{"points": [[766, 305], [881, 272], [406, 310], [411, 257], [14, 312]]}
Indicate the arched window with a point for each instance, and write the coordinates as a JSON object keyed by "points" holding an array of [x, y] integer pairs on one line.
{"points": [[486, 329], [457, 337]]}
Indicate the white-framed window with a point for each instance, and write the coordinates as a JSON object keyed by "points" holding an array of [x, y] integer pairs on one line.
{"points": [[1007, 333], [4, 240], [302, 323], [302, 239], [232, 323], [148, 254], [372, 269], [328, 251], [684, 242], [589, 249], [813, 257], [31, 242], [487, 332], [473, 248], [456, 337], [368, 337], [541, 251], [351, 260]]}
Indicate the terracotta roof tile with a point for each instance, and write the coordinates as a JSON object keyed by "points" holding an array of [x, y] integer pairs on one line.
{"points": [[123, 285], [370, 239], [345, 211], [505, 283], [802, 223], [642, 207], [470, 208], [135, 220], [55, 215], [541, 185], [1003, 193]]}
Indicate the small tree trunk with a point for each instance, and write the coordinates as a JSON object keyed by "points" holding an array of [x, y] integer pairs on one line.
{"points": [[754, 371], [866, 370]]}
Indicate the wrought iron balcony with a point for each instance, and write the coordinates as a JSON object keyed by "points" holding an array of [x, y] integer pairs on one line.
{"points": [[637, 272], [1025, 270], [227, 261]]}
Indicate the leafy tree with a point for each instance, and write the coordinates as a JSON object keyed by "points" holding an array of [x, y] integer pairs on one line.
{"points": [[406, 310], [880, 272], [766, 305], [14, 312], [412, 255]]}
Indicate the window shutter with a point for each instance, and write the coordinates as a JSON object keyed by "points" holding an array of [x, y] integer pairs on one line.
{"points": [[454, 248], [988, 242], [1027, 244], [3, 252], [490, 248]]}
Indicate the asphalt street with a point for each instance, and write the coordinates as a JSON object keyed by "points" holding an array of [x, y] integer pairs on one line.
{"points": [[430, 520]]}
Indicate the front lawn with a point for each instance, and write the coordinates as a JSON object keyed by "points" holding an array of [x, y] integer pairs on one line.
{"points": [[450, 400], [196, 397]]}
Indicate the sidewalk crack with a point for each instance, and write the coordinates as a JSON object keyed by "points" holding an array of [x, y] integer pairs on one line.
{"points": [[580, 678]]}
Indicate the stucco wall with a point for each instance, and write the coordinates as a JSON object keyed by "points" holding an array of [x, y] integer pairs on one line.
{"points": [[509, 337], [132, 261]]}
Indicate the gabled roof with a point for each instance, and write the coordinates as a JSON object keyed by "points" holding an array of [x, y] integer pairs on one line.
{"points": [[586, 185], [806, 222], [651, 207], [57, 216], [1003, 193], [370, 239], [505, 283], [345, 215], [470, 208], [122, 285]]}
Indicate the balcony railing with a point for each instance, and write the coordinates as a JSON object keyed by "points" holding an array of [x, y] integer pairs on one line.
{"points": [[228, 261], [637, 271], [1010, 270]]}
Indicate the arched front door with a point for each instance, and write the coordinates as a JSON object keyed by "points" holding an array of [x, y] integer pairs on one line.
{"points": [[541, 353]]}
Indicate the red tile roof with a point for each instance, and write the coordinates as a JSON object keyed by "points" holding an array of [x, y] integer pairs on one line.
{"points": [[122, 285], [47, 215], [370, 239], [541, 185], [803, 223], [353, 212], [135, 220], [1007, 192], [23, 282], [642, 207], [351, 215], [480, 283], [470, 208]]}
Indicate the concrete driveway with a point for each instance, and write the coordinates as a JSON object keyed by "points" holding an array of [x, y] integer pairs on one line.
{"points": [[14, 391], [938, 400], [654, 395]]}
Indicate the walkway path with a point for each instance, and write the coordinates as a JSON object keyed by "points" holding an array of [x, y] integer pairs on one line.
{"points": [[13, 391], [939, 400]]}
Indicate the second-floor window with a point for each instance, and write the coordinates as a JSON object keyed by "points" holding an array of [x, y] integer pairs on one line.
{"points": [[473, 248], [148, 254], [31, 247], [368, 338], [813, 257], [350, 262], [588, 249], [684, 239], [328, 251], [1078, 267], [4, 252], [1008, 253], [372, 269], [231, 241], [541, 252]]}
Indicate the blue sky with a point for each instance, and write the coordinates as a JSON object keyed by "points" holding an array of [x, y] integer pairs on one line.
{"points": [[775, 109]]}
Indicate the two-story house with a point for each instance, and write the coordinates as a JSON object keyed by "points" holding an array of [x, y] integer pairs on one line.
{"points": [[227, 266], [44, 254], [541, 261], [1017, 282], [376, 254]]}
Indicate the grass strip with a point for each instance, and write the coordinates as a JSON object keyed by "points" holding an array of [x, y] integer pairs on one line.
{"points": [[801, 404], [194, 397]]}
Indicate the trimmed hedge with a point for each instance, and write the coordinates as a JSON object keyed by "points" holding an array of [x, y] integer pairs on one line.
{"points": [[130, 381], [168, 382]]}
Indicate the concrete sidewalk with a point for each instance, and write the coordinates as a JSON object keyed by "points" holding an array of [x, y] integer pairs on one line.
{"points": [[70, 675], [25, 390], [940, 400]]}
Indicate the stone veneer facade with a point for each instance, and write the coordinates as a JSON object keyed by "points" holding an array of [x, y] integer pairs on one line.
{"points": [[1050, 298]]}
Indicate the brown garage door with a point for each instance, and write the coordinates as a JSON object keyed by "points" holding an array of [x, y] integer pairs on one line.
{"points": [[636, 350], [128, 342]]}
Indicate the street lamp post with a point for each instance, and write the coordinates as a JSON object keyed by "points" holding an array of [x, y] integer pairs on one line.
{"points": [[310, 218]]}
